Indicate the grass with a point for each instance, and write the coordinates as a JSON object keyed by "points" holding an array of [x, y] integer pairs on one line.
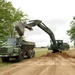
{"points": [[41, 51], [38, 52], [4, 64]]}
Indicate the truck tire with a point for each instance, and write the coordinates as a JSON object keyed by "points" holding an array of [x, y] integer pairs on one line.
{"points": [[5, 59], [33, 53], [20, 57], [30, 54]]}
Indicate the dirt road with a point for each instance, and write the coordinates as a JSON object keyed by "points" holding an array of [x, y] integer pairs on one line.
{"points": [[53, 64]]}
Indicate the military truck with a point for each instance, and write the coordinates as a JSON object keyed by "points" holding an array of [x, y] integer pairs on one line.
{"points": [[17, 47]]}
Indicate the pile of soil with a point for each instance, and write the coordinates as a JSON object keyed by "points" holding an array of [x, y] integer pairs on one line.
{"points": [[53, 55], [65, 54], [71, 53]]}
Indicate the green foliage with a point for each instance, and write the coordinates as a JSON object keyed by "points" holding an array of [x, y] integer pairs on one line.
{"points": [[8, 16], [71, 31], [41, 51], [74, 42]]}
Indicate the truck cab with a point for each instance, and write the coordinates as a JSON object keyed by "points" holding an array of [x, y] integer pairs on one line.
{"points": [[10, 49], [17, 48]]}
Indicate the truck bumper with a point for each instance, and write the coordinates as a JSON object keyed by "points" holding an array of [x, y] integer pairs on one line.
{"points": [[8, 55]]}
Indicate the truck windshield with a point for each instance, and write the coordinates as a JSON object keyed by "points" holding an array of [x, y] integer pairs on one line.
{"points": [[11, 41]]}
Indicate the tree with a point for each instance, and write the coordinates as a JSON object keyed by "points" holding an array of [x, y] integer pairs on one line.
{"points": [[71, 31], [8, 16]]}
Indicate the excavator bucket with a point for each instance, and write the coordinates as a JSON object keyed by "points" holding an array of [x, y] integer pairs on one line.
{"points": [[20, 28]]}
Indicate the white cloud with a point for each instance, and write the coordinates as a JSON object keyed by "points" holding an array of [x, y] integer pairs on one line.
{"points": [[46, 9]]}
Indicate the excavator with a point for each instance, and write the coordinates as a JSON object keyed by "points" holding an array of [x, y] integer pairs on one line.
{"points": [[56, 45]]}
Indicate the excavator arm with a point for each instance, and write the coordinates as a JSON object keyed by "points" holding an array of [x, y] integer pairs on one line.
{"points": [[43, 27], [39, 23], [56, 45]]}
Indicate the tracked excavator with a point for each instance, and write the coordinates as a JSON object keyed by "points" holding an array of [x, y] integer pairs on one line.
{"points": [[56, 45]]}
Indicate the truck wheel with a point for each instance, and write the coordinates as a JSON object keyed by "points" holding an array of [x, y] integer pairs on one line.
{"points": [[33, 53], [20, 57], [5, 59], [30, 54]]}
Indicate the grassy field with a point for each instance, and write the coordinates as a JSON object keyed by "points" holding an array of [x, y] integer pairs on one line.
{"points": [[4, 64], [41, 51], [38, 52]]}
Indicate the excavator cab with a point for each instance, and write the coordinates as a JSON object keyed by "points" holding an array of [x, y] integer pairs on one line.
{"points": [[56, 46], [59, 43]]}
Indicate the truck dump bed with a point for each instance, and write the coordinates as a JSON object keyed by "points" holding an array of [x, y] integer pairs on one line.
{"points": [[27, 45]]}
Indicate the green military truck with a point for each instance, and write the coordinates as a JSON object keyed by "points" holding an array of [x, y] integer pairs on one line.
{"points": [[17, 47]]}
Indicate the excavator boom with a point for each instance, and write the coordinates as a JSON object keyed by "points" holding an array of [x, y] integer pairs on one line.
{"points": [[43, 27]]}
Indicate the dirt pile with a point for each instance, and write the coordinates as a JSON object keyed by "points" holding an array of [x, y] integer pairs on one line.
{"points": [[65, 54], [71, 53], [53, 55]]}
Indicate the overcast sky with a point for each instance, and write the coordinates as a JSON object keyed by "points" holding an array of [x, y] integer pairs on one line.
{"points": [[56, 14]]}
